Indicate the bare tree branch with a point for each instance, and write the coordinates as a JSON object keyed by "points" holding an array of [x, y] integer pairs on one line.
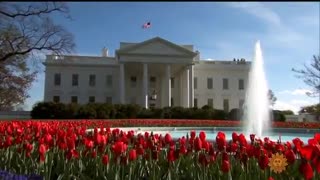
{"points": [[34, 31], [24, 30], [45, 8], [311, 74]]}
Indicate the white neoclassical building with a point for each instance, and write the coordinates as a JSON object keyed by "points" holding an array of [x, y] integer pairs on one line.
{"points": [[152, 73]]}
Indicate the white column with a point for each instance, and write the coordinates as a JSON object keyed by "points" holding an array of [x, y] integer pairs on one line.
{"points": [[122, 84], [168, 84], [191, 87], [188, 87], [145, 86]]}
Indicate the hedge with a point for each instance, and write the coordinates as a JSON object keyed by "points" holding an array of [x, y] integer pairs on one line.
{"points": [[51, 110]]}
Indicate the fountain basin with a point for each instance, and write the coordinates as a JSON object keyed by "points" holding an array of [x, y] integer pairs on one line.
{"points": [[286, 134]]}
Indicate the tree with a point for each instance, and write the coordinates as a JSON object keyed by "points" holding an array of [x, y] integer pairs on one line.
{"points": [[311, 75], [312, 109], [26, 30], [272, 98], [15, 79], [287, 112]]}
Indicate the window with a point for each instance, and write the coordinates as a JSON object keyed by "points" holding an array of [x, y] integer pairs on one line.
{"points": [[225, 83], [74, 99], [241, 84], [209, 83], [241, 102], [75, 79], [133, 81], [57, 79], [195, 102], [172, 101], [210, 102], [172, 82], [195, 82], [109, 81], [226, 105], [92, 80], [92, 99], [153, 81], [56, 99], [109, 100]]}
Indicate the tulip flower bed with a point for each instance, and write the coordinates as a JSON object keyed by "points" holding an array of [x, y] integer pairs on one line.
{"points": [[63, 150]]}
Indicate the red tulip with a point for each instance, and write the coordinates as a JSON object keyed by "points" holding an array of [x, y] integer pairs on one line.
{"points": [[193, 134], [171, 156], [71, 143], [252, 137], [132, 155], [234, 137], [140, 150], [105, 159], [197, 144], [119, 148], [202, 136], [94, 154], [263, 161], [221, 141], [306, 152], [306, 169], [205, 145], [225, 167], [270, 178], [234, 147], [167, 138], [297, 143], [291, 157], [89, 144], [225, 156], [8, 141], [242, 140], [279, 147], [42, 150], [183, 149], [146, 135], [182, 140]]}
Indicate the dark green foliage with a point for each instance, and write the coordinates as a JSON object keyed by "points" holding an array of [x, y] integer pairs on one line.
{"points": [[278, 116], [49, 110], [235, 114]]}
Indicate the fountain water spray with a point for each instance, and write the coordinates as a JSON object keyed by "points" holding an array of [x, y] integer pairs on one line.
{"points": [[256, 107]]}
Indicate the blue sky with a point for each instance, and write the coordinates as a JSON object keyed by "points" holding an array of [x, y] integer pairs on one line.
{"points": [[288, 32]]}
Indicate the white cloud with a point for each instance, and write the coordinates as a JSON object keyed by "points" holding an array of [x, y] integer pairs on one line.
{"points": [[259, 10], [278, 33], [293, 105], [296, 92]]}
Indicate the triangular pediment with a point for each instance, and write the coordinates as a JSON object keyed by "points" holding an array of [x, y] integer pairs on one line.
{"points": [[157, 46]]}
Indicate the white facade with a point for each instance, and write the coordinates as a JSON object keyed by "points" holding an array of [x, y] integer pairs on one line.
{"points": [[139, 72]]}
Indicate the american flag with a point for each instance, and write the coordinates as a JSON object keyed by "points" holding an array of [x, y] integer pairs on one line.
{"points": [[146, 25]]}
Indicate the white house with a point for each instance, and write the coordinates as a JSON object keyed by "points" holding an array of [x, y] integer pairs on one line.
{"points": [[152, 73]]}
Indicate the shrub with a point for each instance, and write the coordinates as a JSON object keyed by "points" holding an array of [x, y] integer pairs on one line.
{"points": [[87, 111], [49, 110], [278, 116], [235, 114]]}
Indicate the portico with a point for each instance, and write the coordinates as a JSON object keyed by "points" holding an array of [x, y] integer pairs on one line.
{"points": [[156, 73]]}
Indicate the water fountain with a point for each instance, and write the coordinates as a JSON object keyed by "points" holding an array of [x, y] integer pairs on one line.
{"points": [[256, 107]]}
